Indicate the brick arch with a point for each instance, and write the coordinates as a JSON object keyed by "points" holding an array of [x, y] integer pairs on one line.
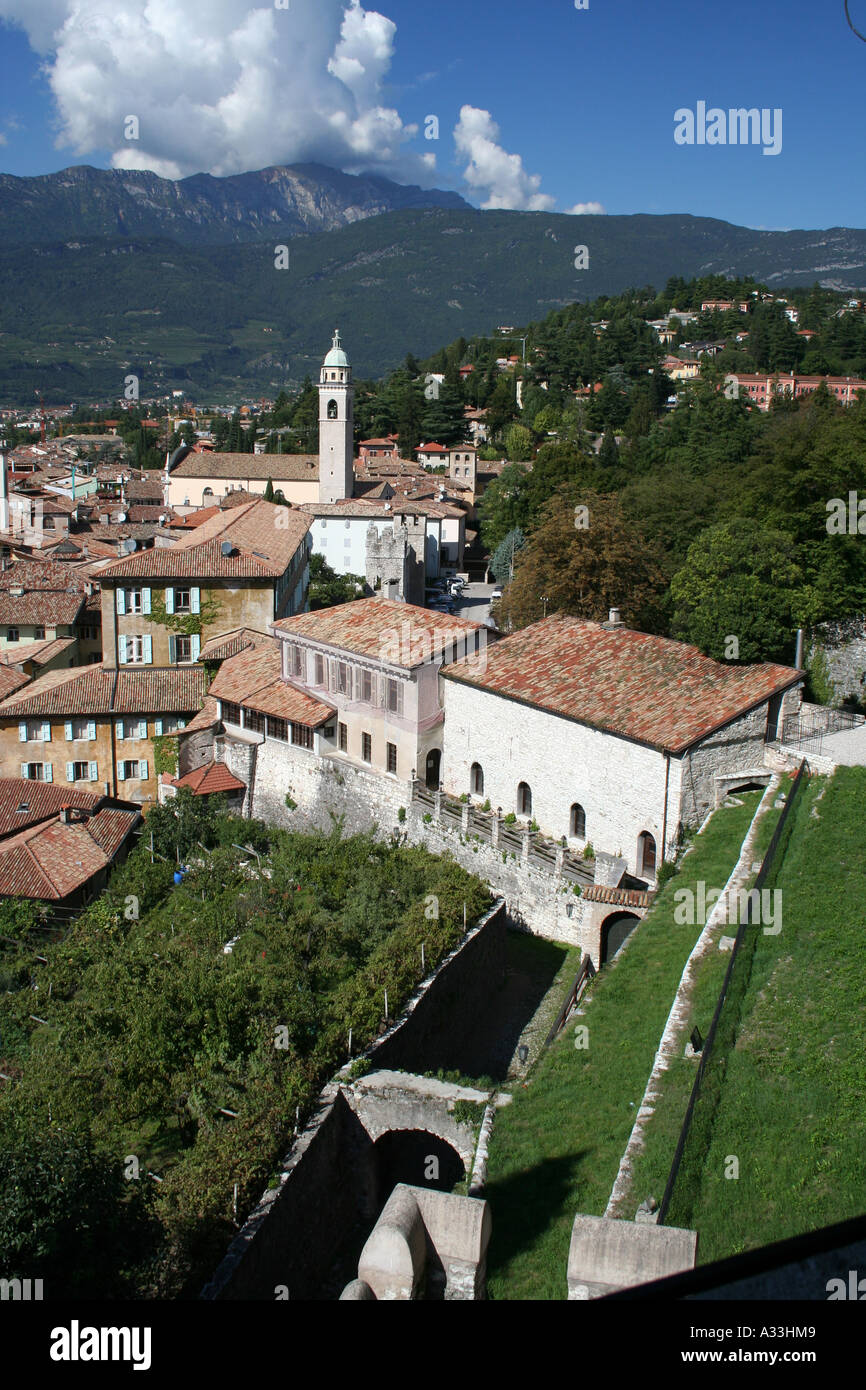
{"points": [[380, 1115]]}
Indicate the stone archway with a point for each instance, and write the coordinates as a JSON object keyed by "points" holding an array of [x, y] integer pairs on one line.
{"points": [[433, 769], [615, 931], [417, 1158]]}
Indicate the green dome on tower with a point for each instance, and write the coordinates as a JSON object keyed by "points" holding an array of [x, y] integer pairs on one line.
{"points": [[336, 357]]}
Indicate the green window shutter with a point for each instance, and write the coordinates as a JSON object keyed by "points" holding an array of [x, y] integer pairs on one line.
{"points": [[25, 770], [145, 600], [172, 650], [91, 730], [121, 647], [46, 733], [157, 728], [169, 600], [148, 650], [70, 772], [195, 646], [195, 600], [94, 772], [181, 723], [142, 728], [22, 731], [121, 601], [142, 770], [68, 730], [48, 772], [119, 727], [121, 772]]}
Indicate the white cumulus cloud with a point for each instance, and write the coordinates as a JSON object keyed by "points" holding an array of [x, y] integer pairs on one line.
{"points": [[581, 209], [222, 87], [492, 170]]}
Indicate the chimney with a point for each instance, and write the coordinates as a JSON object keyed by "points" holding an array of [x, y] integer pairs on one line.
{"points": [[614, 621], [65, 815]]}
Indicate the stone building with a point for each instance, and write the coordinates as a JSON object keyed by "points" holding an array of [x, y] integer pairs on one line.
{"points": [[607, 736]]}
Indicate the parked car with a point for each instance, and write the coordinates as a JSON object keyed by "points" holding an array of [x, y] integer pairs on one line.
{"points": [[497, 593]]}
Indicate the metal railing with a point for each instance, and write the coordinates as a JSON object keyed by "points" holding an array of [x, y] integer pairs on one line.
{"points": [[807, 729], [572, 999], [725, 996]]}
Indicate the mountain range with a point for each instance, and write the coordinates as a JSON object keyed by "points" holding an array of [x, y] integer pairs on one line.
{"points": [[103, 273]]}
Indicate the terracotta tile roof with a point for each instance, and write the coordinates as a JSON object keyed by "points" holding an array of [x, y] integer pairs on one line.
{"points": [[264, 537], [95, 690], [40, 607], [213, 777], [399, 633], [11, 680], [280, 468], [232, 643], [206, 718], [254, 679], [52, 860], [41, 574], [39, 652], [649, 689], [42, 799]]}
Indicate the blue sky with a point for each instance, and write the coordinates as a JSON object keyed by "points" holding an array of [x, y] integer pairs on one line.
{"points": [[584, 98]]}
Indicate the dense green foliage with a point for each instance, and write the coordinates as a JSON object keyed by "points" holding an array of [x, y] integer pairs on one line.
{"points": [[153, 1032]]}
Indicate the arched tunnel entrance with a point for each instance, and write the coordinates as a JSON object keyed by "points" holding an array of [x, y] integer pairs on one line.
{"points": [[615, 930], [416, 1157]]}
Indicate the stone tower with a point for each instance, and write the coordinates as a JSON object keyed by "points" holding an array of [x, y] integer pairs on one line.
{"points": [[336, 426]]}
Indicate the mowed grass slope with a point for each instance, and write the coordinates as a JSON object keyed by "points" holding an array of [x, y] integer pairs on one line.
{"points": [[791, 1108], [556, 1149]]}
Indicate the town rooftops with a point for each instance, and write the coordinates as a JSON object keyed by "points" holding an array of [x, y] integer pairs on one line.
{"points": [[254, 679], [262, 535], [280, 468], [11, 680], [40, 607], [399, 634], [51, 860], [101, 690], [211, 778], [229, 644], [24, 803], [651, 690], [40, 653]]}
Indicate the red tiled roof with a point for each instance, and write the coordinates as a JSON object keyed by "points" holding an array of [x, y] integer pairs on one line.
{"points": [[280, 468], [42, 799], [38, 652], [95, 690], [432, 449], [11, 680], [40, 608], [232, 643], [649, 689], [206, 718], [400, 634], [52, 860], [213, 777], [264, 537], [254, 679]]}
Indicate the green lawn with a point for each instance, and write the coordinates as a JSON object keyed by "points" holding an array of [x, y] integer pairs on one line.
{"points": [[556, 1149], [791, 1099]]}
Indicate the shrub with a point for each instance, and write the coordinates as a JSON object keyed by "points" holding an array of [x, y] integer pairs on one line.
{"points": [[588, 851], [510, 819], [401, 814], [666, 871]]}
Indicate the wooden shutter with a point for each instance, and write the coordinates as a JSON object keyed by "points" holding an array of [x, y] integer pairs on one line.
{"points": [[121, 600], [169, 600], [94, 772], [148, 649], [68, 730], [70, 772], [195, 600], [47, 772]]}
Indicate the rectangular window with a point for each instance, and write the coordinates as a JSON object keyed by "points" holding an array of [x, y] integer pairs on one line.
{"points": [[12, 634], [134, 601], [182, 649], [320, 670], [39, 634], [297, 664], [344, 739], [343, 678], [131, 768], [81, 772], [367, 748], [231, 713], [254, 721], [302, 736], [392, 758], [34, 772], [278, 728], [367, 687], [394, 697], [138, 650], [182, 601]]}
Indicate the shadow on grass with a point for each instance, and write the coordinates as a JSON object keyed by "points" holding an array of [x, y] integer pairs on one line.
{"points": [[531, 966], [523, 1207]]}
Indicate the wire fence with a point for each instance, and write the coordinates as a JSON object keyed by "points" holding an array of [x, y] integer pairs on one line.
{"points": [[684, 1179]]}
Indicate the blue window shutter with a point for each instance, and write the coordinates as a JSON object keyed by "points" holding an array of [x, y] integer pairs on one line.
{"points": [[142, 728], [121, 600], [121, 772], [119, 727], [169, 600], [68, 729], [157, 728], [22, 731], [142, 770], [121, 647], [195, 646], [94, 772], [181, 723], [70, 772], [195, 600], [91, 730], [25, 770], [145, 600], [148, 649], [48, 772], [172, 650], [46, 733]]}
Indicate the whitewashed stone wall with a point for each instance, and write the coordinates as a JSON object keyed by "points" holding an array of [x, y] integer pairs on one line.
{"points": [[735, 748], [619, 784]]}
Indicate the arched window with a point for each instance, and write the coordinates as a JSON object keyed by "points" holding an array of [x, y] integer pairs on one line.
{"points": [[646, 855], [332, 410], [208, 492], [476, 779], [524, 799], [578, 822]]}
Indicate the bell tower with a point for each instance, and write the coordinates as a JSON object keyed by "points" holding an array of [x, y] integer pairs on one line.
{"points": [[336, 426]]}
